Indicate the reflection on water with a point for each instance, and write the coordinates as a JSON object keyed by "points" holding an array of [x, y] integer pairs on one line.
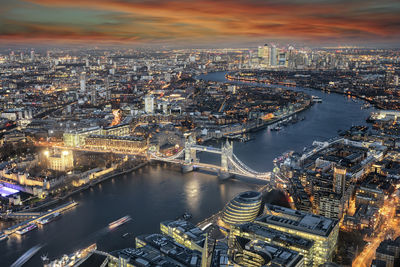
{"points": [[193, 194], [222, 191]]}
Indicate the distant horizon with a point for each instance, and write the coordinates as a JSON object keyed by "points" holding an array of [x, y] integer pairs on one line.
{"points": [[159, 47], [201, 23]]}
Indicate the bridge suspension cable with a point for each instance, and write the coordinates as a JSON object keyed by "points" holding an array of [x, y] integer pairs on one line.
{"points": [[239, 167], [247, 170]]}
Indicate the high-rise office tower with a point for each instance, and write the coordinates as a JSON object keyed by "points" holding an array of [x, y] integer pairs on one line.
{"points": [[264, 53], [339, 180], [149, 104], [83, 82], [283, 59], [274, 55], [93, 97]]}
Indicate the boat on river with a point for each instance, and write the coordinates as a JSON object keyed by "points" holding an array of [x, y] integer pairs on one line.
{"points": [[49, 218], [26, 229], [119, 222], [316, 99]]}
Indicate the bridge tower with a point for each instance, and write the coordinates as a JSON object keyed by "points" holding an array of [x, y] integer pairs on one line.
{"points": [[190, 154], [226, 153]]}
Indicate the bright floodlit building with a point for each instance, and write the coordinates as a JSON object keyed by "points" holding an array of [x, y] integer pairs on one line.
{"points": [[245, 207], [323, 231]]}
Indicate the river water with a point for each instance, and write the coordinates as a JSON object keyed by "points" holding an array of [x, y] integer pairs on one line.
{"points": [[161, 192]]}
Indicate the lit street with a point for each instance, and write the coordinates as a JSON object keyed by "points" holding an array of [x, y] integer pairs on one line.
{"points": [[389, 225]]}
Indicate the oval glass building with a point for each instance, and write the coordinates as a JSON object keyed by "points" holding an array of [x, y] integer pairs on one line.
{"points": [[245, 207]]}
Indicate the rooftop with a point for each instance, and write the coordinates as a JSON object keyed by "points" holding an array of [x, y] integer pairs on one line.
{"points": [[276, 255], [277, 236], [298, 220], [193, 232], [169, 247]]}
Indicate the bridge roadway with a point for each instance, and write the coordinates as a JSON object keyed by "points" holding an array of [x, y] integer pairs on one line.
{"points": [[207, 149], [212, 167], [23, 224]]}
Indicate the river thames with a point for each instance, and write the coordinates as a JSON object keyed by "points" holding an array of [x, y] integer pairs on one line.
{"points": [[161, 192]]}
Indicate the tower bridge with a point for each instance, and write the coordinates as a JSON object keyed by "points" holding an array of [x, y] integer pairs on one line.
{"points": [[230, 164]]}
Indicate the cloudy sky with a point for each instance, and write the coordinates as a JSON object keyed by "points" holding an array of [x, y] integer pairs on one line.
{"points": [[201, 21]]}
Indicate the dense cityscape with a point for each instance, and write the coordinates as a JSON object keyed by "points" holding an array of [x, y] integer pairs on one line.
{"points": [[73, 119], [199, 133]]}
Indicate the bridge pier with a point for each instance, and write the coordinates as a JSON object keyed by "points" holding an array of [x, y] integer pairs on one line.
{"points": [[222, 175], [187, 168], [230, 164]]}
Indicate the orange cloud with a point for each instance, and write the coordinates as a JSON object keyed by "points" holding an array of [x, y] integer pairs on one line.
{"points": [[207, 20]]}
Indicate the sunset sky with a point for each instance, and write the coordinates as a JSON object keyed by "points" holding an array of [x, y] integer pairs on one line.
{"points": [[358, 22]]}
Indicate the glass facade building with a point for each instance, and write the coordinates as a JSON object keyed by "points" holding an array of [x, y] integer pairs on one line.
{"points": [[245, 207]]}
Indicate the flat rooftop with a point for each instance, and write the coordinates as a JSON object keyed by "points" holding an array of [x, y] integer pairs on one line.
{"points": [[298, 220], [279, 256], [277, 236], [186, 228]]}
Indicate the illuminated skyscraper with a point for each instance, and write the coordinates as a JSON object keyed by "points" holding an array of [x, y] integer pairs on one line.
{"points": [[149, 104], [339, 180], [264, 53], [274, 55], [93, 97], [283, 59], [83, 82]]}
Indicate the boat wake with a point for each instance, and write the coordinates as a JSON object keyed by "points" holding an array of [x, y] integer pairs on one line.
{"points": [[26, 256], [119, 222]]}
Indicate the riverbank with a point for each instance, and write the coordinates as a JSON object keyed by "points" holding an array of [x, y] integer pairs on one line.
{"points": [[102, 179], [259, 127], [256, 125], [84, 187], [293, 84]]}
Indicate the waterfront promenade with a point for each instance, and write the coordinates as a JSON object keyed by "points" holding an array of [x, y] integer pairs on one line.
{"points": [[36, 218]]}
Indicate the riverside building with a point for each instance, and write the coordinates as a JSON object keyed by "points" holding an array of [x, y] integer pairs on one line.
{"points": [[254, 231], [184, 233], [323, 231], [256, 253], [245, 207]]}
